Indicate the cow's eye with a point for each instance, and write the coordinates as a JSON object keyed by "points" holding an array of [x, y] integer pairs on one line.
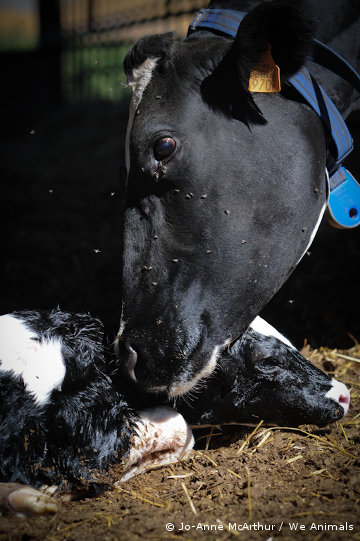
{"points": [[163, 148]]}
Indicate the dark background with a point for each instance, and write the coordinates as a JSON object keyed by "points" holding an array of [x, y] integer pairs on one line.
{"points": [[60, 211]]}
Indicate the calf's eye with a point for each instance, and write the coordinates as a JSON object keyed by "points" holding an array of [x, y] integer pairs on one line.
{"points": [[163, 148], [268, 365]]}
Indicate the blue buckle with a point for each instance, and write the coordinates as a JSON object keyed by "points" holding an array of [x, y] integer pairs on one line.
{"points": [[344, 200]]}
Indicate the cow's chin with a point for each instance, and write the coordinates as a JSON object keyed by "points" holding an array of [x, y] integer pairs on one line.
{"points": [[189, 372], [185, 385]]}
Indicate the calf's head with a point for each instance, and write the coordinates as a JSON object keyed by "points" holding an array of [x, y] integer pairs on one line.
{"points": [[262, 378], [277, 384], [224, 191]]}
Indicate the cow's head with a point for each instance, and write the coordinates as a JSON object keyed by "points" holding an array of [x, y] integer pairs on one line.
{"points": [[224, 191]]}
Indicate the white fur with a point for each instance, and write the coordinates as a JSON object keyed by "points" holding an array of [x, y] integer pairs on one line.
{"points": [[261, 326], [178, 389], [340, 394], [40, 364], [137, 81], [120, 332]]}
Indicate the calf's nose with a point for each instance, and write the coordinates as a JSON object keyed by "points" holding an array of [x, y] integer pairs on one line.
{"points": [[344, 401], [340, 393]]}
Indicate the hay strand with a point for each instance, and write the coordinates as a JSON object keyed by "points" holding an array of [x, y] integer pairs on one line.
{"points": [[293, 459], [249, 437], [189, 499], [249, 491], [345, 435], [233, 473], [346, 357]]}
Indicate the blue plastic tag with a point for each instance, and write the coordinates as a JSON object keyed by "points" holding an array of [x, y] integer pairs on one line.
{"points": [[344, 200]]}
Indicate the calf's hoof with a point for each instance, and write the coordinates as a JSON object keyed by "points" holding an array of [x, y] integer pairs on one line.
{"points": [[24, 501]]}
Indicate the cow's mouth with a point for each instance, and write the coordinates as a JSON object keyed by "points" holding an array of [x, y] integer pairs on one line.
{"points": [[180, 383], [183, 386]]}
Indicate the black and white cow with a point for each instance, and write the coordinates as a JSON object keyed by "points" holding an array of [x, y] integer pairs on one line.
{"points": [[225, 189], [67, 413], [224, 193]]}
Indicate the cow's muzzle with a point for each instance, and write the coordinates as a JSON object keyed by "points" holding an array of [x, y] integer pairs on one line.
{"points": [[135, 367]]}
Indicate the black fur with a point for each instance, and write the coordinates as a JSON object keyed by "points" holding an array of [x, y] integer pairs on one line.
{"points": [[85, 425], [22, 432], [282, 24], [217, 260], [89, 423], [261, 378], [155, 46], [285, 25]]}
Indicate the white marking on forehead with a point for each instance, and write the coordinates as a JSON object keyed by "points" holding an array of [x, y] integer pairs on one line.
{"points": [[38, 363], [137, 81], [140, 78], [261, 326]]}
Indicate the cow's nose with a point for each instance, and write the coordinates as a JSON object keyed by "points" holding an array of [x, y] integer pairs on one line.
{"points": [[137, 369]]}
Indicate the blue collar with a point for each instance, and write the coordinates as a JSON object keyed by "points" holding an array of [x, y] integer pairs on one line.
{"points": [[344, 197]]}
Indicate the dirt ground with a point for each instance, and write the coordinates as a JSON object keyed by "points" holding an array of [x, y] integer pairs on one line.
{"points": [[240, 483], [61, 213]]}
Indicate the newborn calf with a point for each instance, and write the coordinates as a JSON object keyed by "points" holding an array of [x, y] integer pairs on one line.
{"points": [[67, 412]]}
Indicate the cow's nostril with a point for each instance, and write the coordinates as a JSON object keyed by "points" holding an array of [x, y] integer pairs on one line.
{"points": [[135, 364], [343, 399], [131, 362]]}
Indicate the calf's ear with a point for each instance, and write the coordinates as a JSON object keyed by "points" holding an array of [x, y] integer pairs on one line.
{"points": [[285, 25], [155, 46]]}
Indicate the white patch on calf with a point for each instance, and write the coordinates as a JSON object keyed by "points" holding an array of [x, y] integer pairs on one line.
{"points": [[39, 363], [163, 436], [339, 392], [261, 326], [137, 81]]}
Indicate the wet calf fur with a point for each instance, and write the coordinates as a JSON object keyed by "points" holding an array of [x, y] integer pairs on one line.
{"points": [[68, 431]]}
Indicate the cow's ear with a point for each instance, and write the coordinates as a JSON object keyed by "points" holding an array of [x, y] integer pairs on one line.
{"points": [[285, 25], [155, 46], [282, 24]]}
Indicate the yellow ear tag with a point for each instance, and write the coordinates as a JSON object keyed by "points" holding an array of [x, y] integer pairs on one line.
{"points": [[265, 77]]}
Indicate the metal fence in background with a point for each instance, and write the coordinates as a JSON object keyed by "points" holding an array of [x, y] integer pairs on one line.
{"points": [[96, 35]]}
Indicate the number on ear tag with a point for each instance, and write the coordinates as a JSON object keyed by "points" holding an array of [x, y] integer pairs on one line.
{"points": [[344, 200], [265, 77]]}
